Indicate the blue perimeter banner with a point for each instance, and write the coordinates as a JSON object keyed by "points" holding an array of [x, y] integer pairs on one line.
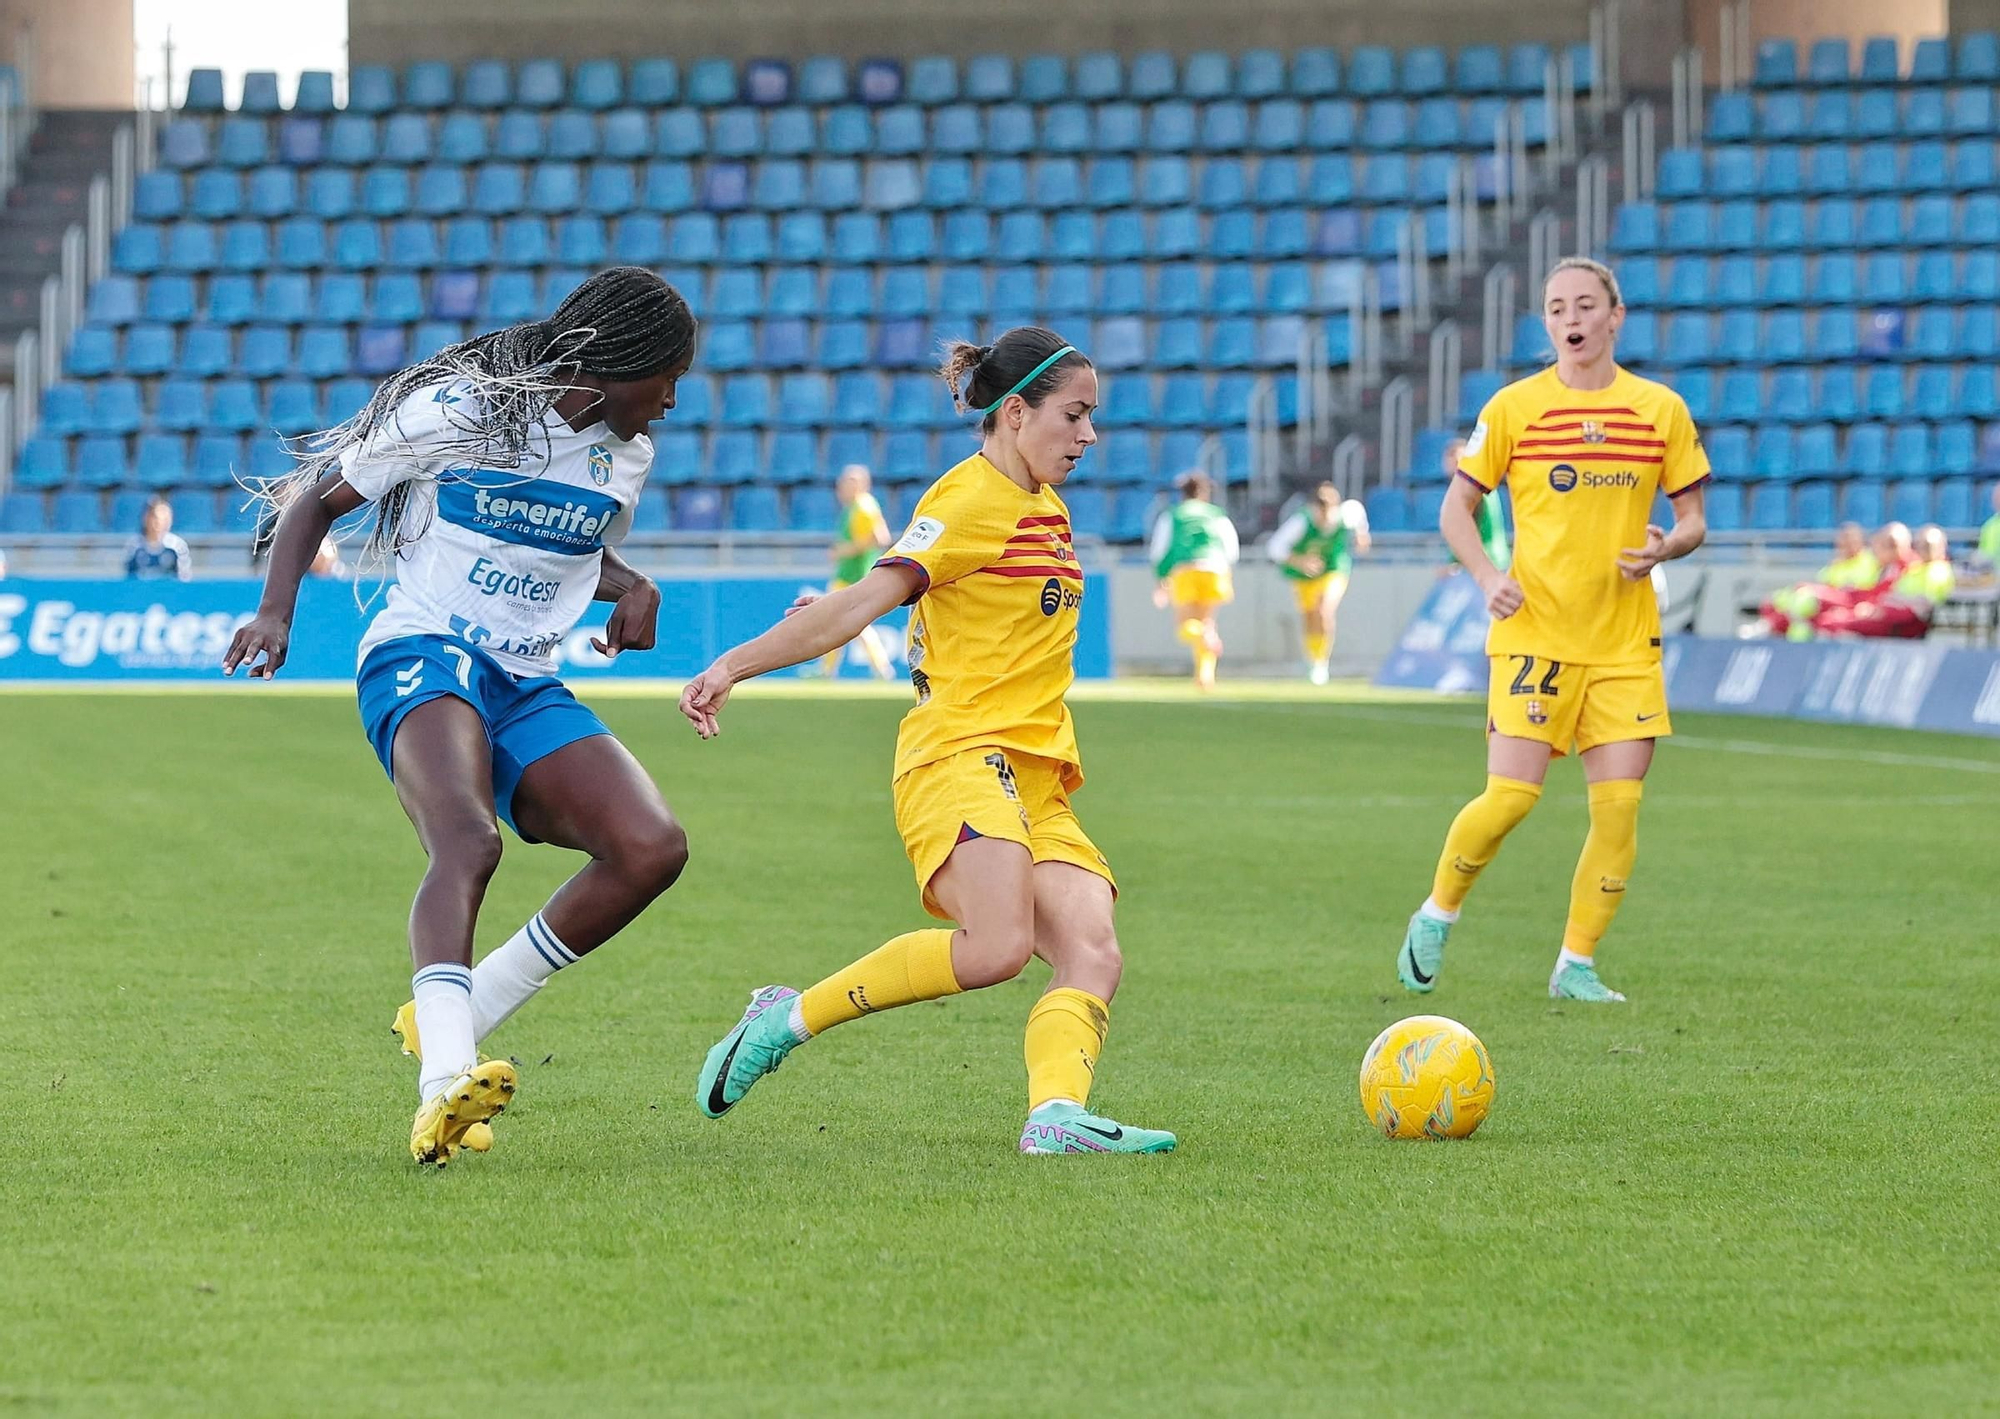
{"points": [[165, 631], [1903, 684]]}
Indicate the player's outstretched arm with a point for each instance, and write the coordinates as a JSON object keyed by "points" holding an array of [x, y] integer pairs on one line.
{"points": [[806, 633], [1459, 522], [301, 528]]}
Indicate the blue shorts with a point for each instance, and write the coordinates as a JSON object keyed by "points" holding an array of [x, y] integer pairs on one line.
{"points": [[525, 720]]}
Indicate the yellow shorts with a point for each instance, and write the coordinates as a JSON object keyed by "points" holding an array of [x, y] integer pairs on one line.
{"points": [[1529, 697], [989, 793], [1192, 586], [1315, 590]]}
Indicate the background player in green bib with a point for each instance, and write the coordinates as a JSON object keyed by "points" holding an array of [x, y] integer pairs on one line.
{"points": [[1193, 548], [859, 537], [1315, 548]]}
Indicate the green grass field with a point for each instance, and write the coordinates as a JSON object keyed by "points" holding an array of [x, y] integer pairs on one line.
{"points": [[1766, 1186]]}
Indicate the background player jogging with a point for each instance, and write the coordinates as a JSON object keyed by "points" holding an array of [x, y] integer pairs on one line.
{"points": [[1574, 651], [501, 469]]}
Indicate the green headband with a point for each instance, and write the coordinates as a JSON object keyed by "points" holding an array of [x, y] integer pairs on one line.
{"points": [[1028, 379]]}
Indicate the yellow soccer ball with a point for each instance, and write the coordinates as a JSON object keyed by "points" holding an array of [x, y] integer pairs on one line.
{"points": [[1426, 1077]]}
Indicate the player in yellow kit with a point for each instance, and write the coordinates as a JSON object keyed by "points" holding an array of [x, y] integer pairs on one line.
{"points": [[1575, 646], [986, 760]]}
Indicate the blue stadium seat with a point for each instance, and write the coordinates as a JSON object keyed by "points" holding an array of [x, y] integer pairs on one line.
{"points": [[1170, 128], [160, 460], [1777, 63], [115, 407], [1815, 454], [81, 512], [43, 463], [540, 84], [1954, 505], [1771, 453], [1770, 507], [989, 78], [1729, 452], [1910, 501], [625, 134], [301, 141], [204, 91], [1116, 128]]}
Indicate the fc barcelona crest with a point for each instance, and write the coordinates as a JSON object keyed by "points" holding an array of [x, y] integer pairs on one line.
{"points": [[600, 464], [1593, 431], [1536, 714]]}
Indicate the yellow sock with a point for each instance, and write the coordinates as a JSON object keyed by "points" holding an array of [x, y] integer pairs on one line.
{"points": [[915, 966], [1318, 647], [1191, 631], [1204, 665], [1476, 834], [1065, 1036], [1609, 851]]}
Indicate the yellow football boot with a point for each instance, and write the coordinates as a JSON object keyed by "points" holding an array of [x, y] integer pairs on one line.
{"points": [[479, 1137], [404, 1028], [447, 1122]]}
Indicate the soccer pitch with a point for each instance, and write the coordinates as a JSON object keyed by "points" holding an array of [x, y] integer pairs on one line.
{"points": [[1765, 1186]]}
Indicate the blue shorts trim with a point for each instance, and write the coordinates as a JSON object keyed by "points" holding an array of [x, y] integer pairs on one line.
{"points": [[525, 720]]}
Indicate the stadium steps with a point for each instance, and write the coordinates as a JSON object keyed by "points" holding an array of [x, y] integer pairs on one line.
{"points": [[70, 147], [1463, 306]]}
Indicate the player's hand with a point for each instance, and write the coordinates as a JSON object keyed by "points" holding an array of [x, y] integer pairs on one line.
{"points": [[804, 599], [704, 697], [634, 621], [1161, 596], [1503, 596], [1312, 564], [269, 636], [1637, 563]]}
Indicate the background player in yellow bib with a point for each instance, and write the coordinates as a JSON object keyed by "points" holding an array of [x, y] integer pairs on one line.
{"points": [[1193, 549], [863, 533], [1315, 548], [1575, 645], [986, 760]]}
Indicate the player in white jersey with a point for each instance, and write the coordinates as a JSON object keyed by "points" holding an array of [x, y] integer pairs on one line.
{"points": [[501, 470]]}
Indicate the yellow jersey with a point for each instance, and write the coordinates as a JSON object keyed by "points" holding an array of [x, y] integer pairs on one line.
{"points": [[1584, 466], [994, 629]]}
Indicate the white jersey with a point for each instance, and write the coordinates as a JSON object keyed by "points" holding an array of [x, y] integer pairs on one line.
{"points": [[507, 560]]}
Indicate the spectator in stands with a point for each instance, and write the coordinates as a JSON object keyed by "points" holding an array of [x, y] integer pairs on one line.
{"points": [[1905, 608], [1853, 566], [1192, 549], [1490, 522], [1901, 603], [1791, 612], [156, 554], [327, 562]]}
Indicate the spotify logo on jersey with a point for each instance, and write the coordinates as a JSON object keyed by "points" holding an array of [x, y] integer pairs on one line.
{"points": [[1562, 477]]}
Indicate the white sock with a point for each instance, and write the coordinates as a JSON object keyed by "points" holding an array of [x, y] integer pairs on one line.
{"points": [[1431, 909], [1567, 957], [795, 1020], [510, 974], [444, 1025]]}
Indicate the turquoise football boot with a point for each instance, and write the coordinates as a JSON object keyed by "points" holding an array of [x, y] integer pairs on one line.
{"points": [[1578, 981], [758, 1045], [1421, 960], [1067, 1128]]}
